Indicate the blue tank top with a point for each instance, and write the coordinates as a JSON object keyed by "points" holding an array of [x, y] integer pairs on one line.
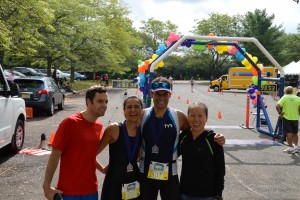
{"points": [[164, 133]]}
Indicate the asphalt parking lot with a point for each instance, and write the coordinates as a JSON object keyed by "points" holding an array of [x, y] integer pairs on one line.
{"points": [[256, 166]]}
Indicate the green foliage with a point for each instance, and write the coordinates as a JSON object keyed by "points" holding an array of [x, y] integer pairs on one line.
{"points": [[260, 26]]}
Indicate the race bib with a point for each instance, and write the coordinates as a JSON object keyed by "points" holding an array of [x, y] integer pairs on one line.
{"points": [[131, 190], [158, 171]]}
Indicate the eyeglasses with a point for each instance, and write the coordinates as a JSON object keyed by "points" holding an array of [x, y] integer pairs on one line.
{"points": [[157, 85]]}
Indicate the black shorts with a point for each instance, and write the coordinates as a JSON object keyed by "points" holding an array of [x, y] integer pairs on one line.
{"points": [[169, 189], [290, 126]]}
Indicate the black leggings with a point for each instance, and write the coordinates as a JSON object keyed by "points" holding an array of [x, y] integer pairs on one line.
{"points": [[169, 189]]}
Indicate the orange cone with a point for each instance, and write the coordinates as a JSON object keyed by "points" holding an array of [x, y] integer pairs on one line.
{"points": [[136, 91], [235, 94], [219, 115], [178, 97], [51, 138], [187, 101], [208, 90]]}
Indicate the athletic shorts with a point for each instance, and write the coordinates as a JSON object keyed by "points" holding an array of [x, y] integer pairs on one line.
{"points": [[169, 189], [82, 197], [290, 126]]}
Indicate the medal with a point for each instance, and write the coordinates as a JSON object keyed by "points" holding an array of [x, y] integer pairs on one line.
{"points": [[155, 149], [129, 167]]}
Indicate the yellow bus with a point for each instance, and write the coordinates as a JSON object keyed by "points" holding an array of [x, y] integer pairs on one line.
{"points": [[239, 78]]}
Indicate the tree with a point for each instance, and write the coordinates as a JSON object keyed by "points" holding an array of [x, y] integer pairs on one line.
{"points": [[259, 25], [20, 22], [153, 33]]}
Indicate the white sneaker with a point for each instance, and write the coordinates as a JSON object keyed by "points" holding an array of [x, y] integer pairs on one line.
{"points": [[296, 149], [290, 150]]}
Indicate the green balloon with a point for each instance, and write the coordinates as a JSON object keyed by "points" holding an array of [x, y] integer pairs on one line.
{"points": [[199, 46], [254, 80], [263, 82]]}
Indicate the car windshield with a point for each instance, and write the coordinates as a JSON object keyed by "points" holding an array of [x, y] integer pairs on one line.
{"points": [[30, 85]]}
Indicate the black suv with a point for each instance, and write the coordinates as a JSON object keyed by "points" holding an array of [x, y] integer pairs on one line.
{"points": [[28, 71], [41, 93]]}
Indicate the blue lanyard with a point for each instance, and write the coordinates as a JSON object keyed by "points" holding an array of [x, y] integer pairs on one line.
{"points": [[157, 128], [130, 152]]}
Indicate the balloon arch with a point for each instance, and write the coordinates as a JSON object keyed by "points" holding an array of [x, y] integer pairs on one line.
{"points": [[222, 44]]}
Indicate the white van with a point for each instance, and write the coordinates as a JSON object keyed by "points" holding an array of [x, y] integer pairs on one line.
{"points": [[12, 114]]}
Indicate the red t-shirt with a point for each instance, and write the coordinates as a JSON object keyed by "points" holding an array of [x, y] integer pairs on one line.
{"points": [[78, 139]]}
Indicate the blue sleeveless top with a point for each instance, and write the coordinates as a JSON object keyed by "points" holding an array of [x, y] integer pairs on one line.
{"points": [[163, 133]]}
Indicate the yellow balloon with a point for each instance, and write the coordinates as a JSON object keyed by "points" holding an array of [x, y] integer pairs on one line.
{"points": [[154, 56], [161, 64]]}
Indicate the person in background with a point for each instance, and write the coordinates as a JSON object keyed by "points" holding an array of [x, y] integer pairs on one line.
{"points": [[106, 80], [11, 76], [171, 82], [203, 162], [192, 84], [124, 140], [75, 146], [54, 76], [161, 126], [288, 107]]}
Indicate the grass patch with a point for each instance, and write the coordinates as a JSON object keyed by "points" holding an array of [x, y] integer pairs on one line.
{"points": [[80, 85]]}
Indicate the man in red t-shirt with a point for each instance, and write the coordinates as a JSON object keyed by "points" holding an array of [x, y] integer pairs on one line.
{"points": [[75, 146]]}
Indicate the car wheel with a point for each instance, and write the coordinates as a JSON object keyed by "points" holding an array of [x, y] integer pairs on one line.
{"points": [[51, 109], [78, 79], [62, 105], [18, 137], [216, 88]]}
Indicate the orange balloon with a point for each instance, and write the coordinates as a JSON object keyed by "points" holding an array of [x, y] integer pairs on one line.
{"points": [[211, 34], [141, 70]]}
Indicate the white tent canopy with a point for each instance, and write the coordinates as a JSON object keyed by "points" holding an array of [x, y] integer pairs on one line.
{"points": [[292, 69]]}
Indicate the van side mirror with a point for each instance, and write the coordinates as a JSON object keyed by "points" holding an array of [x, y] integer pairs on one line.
{"points": [[14, 89]]}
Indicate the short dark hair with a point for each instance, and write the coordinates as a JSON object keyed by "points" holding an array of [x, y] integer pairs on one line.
{"points": [[160, 79], [133, 97], [200, 105], [91, 92]]}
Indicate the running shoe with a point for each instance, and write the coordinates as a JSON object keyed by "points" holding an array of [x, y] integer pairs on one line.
{"points": [[290, 150], [296, 149]]}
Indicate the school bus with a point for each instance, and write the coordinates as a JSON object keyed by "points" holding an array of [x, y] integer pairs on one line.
{"points": [[239, 78]]}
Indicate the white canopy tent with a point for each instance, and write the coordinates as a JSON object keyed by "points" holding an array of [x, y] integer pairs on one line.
{"points": [[292, 69]]}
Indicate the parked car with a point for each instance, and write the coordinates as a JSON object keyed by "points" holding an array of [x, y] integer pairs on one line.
{"points": [[77, 76], [43, 71], [16, 73], [13, 115], [61, 75], [27, 71], [41, 93]]}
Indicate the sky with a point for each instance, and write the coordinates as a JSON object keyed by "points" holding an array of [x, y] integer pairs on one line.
{"points": [[184, 12]]}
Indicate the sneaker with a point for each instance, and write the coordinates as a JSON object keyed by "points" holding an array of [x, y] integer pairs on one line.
{"points": [[296, 149], [290, 150]]}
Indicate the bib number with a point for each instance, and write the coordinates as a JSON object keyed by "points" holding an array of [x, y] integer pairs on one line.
{"points": [[131, 190], [158, 171]]}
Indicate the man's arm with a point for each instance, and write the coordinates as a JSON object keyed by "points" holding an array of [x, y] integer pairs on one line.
{"points": [[49, 191]]}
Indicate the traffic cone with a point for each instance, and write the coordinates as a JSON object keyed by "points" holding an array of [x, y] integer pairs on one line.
{"points": [[178, 97], [219, 115], [208, 90], [187, 101], [235, 94], [51, 138], [43, 144], [136, 91]]}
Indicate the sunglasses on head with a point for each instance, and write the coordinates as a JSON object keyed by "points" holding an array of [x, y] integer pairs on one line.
{"points": [[157, 85]]}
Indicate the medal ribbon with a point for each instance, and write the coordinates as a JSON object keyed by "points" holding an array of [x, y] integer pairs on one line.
{"points": [[157, 128], [130, 152]]}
